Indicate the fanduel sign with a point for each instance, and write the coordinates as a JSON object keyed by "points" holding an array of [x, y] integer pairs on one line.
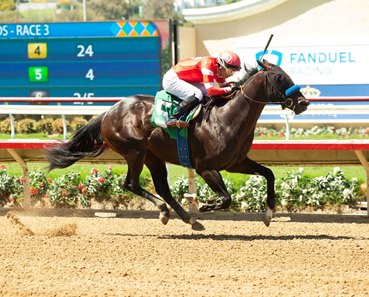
{"points": [[317, 65]]}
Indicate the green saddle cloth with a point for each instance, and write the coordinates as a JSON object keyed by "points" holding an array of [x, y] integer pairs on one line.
{"points": [[164, 107]]}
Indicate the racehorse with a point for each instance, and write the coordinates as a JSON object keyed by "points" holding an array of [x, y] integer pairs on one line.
{"points": [[218, 139]]}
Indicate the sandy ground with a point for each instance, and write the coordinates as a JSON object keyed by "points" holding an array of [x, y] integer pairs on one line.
{"points": [[70, 253]]}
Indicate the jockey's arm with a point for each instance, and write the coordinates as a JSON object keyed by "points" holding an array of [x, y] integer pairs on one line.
{"points": [[211, 84]]}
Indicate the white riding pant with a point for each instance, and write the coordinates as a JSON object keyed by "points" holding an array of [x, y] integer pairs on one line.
{"points": [[180, 88]]}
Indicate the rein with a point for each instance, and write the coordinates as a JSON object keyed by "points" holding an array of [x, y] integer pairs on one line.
{"points": [[288, 92], [286, 102]]}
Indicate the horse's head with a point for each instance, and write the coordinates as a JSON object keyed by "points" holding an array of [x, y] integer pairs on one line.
{"points": [[281, 89]]}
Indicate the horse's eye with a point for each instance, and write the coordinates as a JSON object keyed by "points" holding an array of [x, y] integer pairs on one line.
{"points": [[279, 79]]}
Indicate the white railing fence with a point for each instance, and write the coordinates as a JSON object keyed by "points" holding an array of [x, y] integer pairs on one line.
{"points": [[358, 112]]}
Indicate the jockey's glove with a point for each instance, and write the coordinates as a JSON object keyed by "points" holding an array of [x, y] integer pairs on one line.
{"points": [[235, 87]]}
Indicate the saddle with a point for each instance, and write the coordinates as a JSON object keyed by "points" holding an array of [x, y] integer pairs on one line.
{"points": [[164, 107]]}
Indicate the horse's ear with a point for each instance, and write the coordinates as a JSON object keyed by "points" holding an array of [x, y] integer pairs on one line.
{"points": [[262, 64]]}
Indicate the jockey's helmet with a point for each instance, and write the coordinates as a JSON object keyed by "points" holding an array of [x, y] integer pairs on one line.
{"points": [[229, 59]]}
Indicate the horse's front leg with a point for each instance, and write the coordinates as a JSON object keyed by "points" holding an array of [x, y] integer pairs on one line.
{"points": [[159, 175], [249, 166], [216, 183]]}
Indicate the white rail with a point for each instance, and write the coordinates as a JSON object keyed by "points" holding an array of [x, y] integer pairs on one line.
{"points": [[83, 106]]}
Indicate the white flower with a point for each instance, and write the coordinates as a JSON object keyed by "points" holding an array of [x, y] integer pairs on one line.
{"points": [[336, 170], [244, 205], [284, 202], [294, 182], [346, 193]]}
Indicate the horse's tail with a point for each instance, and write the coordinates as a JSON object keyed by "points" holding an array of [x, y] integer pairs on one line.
{"points": [[86, 141]]}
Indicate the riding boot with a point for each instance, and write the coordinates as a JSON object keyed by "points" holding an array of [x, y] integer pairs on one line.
{"points": [[181, 112]]}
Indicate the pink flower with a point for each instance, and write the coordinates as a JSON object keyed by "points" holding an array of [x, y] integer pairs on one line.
{"points": [[101, 180], [80, 186], [94, 171], [34, 192], [64, 193]]}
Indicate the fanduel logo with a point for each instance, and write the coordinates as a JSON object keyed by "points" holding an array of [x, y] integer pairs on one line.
{"points": [[272, 56]]}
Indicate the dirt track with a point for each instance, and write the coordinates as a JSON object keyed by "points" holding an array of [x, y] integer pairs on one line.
{"points": [[135, 255]]}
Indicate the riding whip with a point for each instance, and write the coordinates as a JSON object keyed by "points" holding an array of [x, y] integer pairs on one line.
{"points": [[266, 47]]}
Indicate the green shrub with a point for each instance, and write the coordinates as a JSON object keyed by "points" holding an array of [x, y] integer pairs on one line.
{"points": [[5, 126], [336, 188], [9, 186], [39, 184], [77, 123], [203, 191], [57, 126], [99, 184], [67, 191], [294, 192], [26, 126], [252, 196], [45, 126]]}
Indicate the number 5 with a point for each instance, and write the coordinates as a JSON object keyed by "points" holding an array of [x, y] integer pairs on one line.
{"points": [[38, 74]]}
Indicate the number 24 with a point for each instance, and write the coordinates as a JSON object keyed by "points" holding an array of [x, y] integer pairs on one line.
{"points": [[85, 51]]}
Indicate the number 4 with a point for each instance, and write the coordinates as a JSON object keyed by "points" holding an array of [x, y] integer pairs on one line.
{"points": [[90, 74], [37, 51]]}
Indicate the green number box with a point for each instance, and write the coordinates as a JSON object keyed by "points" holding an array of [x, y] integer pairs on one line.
{"points": [[38, 74]]}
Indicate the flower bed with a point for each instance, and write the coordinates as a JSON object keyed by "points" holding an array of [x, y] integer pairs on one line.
{"points": [[331, 131], [294, 192]]}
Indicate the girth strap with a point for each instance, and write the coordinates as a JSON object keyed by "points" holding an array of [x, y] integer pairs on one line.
{"points": [[183, 152]]}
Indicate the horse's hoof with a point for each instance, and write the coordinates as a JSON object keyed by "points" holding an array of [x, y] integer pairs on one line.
{"points": [[164, 217], [195, 225], [268, 217], [205, 208]]}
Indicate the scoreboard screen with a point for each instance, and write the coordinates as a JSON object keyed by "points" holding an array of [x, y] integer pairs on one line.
{"points": [[86, 59]]}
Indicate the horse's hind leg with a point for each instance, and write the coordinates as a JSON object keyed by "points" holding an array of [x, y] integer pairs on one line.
{"points": [[216, 183], [159, 175], [132, 183]]}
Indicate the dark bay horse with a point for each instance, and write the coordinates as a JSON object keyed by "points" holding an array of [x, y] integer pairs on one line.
{"points": [[219, 140]]}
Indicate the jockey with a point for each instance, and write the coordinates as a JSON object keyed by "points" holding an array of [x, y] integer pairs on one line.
{"points": [[193, 78]]}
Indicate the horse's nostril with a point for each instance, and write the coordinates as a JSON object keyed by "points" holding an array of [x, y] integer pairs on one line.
{"points": [[303, 101]]}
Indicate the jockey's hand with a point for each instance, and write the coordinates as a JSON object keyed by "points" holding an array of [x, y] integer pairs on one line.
{"points": [[235, 87]]}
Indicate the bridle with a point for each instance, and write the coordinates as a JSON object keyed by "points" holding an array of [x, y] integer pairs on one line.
{"points": [[275, 91]]}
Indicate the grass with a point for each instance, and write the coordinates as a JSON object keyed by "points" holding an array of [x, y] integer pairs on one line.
{"points": [[40, 136]]}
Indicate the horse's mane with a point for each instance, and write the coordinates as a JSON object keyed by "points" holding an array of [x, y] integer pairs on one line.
{"points": [[211, 101], [249, 72]]}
